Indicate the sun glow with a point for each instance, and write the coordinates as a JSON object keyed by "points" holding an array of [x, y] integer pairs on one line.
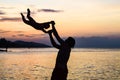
{"points": [[73, 18]]}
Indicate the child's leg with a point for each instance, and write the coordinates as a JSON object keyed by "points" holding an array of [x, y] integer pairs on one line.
{"points": [[29, 17]]}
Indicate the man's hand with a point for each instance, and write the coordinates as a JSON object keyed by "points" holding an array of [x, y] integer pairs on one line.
{"points": [[53, 22], [50, 31]]}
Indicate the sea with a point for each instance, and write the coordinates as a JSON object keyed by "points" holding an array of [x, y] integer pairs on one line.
{"points": [[38, 64]]}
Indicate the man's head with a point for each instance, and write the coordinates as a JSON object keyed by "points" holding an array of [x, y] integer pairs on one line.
{"points": [[70, 41]]}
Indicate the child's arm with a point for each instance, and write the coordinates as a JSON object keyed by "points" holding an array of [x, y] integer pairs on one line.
{"points": [[52, 40], [56, 33]]}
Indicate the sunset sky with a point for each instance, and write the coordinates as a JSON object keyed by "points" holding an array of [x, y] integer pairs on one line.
{"points": [[75, 18]]}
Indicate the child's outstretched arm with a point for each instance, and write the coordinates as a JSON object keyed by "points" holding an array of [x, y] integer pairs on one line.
{"points": [[56, 33], [52, 40]]}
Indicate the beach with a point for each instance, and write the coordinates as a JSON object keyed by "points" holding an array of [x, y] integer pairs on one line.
{"points": [[38, 64]]}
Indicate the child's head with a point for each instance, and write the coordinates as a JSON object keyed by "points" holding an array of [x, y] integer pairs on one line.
{"points": [[70, 41]]}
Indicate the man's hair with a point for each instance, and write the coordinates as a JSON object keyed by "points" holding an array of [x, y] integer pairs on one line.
{"points": [[70, 41]]}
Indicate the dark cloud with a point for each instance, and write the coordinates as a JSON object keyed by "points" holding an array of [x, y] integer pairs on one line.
{"points": [[49, 10], [2, 31], [19, 31], [13, 35], [2, 13], [10, 19], [6, 7], [23, 35], [20, 35], [44, 35], [16, 32], [29, 36], [41, 35], [30, 12], [33, 35]]}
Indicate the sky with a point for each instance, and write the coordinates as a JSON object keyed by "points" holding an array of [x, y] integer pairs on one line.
{"points": [[77, 18]]}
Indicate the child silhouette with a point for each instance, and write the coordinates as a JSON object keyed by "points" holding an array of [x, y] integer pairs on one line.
{"points": [[34, 24], [60, 71]]}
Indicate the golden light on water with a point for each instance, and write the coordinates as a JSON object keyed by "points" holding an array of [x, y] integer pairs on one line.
{"points": [[38, 64]]}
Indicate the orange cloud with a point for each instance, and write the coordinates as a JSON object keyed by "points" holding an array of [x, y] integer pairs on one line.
{"points": [[10, 19], [49, 10]]}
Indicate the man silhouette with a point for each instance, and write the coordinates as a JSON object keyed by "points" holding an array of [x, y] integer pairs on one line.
{"points": [[60, 71]]}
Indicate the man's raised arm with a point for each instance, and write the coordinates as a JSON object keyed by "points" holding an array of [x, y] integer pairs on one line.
{"points": [[52, 40], [60, 40]]}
